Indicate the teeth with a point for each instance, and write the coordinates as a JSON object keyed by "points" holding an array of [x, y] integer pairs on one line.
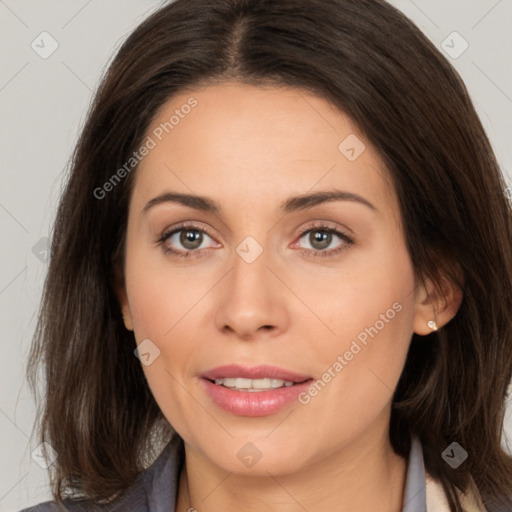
{"points": [[252, 385]]}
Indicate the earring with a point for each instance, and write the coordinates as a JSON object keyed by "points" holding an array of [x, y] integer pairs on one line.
{"points": [[432, 325]]}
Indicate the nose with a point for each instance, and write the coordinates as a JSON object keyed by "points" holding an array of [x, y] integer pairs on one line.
{"points": [[253, 300]]}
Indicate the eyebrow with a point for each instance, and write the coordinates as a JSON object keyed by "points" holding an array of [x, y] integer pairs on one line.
{"points": [[292, 204]]}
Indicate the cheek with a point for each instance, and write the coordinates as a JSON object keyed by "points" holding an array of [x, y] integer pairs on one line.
{"points": [[158, 304], [160, 313], [370, 371], [160, 296], [373, 321], [369, 298]]}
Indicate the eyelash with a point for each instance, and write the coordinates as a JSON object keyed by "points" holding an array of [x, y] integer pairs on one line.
{"points": [[185, 226]]}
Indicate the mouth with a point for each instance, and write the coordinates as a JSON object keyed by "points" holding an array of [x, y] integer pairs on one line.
{"points": [[253, 391], [253, 385]]}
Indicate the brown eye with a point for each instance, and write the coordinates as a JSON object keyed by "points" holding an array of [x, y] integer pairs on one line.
{"points": [[191, 239], [186, 241], [320, 239]]}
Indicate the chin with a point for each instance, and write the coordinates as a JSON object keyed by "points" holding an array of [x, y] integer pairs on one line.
{"points": [[256, 458]]}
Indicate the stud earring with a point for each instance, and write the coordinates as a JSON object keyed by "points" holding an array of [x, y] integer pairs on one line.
{"points": [[432, 325]]}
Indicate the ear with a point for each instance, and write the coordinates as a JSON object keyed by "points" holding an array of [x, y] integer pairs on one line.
{"points": [[122, 298], [437, 304]]}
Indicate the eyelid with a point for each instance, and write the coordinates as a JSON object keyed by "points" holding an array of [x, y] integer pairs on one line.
{"points": [[324, 224], [183, 226]]}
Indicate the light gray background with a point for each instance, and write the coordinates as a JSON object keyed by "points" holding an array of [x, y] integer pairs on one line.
{"points": [[43, 104]]}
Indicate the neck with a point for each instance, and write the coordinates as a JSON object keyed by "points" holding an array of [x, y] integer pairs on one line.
{"points": [[367, 475]]}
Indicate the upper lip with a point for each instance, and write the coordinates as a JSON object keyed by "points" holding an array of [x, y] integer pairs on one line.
{"points": [[253, 372]]}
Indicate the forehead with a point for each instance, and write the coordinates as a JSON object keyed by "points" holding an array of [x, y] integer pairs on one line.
{"points": [[233, 141]]}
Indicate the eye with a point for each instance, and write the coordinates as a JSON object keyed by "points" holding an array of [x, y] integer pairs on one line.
{"points": [[189, 240], [185, 241], [324, 241]]}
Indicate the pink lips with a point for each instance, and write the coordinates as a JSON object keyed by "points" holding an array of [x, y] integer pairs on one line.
{"points": [[261, 403], [255, 372]]}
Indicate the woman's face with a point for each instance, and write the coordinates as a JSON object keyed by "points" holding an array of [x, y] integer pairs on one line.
{"points": [[309, 302]]}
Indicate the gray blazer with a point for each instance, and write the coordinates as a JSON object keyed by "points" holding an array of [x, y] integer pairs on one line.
{"points": [[155, 488]]}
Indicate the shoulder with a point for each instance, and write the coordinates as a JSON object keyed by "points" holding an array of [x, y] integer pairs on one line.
{"points": [[42, 507], [156, 484], [81, 506], [52, 506], [134, 499], [437, 501]]}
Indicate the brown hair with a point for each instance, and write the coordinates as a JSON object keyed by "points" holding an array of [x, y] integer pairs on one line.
{"points": [[374, 64]]}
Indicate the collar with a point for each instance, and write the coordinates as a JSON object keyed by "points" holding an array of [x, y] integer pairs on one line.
{"points": [[161, 479], [415, 495]]}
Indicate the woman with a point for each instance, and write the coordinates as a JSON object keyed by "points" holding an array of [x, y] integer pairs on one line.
{"points": [[282, 264]]}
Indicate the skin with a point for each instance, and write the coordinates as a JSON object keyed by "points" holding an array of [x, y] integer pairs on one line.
{"points": [[249, 149]]}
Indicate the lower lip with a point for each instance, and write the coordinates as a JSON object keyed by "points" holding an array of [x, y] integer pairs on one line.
{"points": [[258, 403]]}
